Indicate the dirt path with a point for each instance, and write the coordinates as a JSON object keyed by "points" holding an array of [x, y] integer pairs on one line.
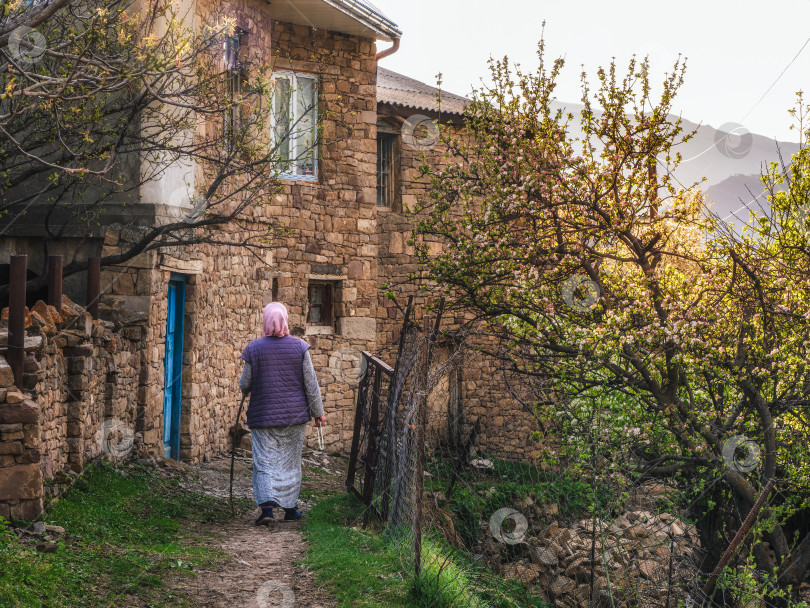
{"points": [[261, 570]]}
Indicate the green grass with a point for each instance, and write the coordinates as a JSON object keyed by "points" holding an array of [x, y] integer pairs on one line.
{"points": [[126, 531], [359, 566], [363, 569]]}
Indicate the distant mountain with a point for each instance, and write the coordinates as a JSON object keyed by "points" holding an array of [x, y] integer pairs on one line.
{"points": [[735, 196], [729, 158]]}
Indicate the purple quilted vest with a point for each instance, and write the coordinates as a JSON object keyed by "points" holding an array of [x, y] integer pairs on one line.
{"points": [[277, 395]]}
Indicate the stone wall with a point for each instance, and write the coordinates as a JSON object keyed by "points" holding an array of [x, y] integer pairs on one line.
{"points": [[21, 491], [80, 401]]}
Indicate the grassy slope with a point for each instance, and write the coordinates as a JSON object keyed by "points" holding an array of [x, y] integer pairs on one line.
{"points": [[126, 530]]}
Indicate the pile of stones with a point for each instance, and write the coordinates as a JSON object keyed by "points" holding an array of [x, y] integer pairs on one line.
{"points": [[638, 558]]}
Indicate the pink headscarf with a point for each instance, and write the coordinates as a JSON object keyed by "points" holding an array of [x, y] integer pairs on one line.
{"points": [[275, 320]]}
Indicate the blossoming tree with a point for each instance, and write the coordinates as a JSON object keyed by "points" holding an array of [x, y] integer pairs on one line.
{"points": [[602, 275]]}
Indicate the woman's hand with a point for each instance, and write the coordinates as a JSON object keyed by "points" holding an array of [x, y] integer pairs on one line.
{"points": [[320, 421]]}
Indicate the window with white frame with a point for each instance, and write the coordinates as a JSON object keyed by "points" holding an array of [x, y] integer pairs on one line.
{"points": [[295, 124]]}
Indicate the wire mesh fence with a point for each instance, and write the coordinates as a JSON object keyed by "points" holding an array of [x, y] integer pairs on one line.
{"points": [[577, 526]]}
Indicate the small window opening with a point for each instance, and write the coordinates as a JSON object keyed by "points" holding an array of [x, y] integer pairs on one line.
{"points": [[387, 169], [321, 304]]}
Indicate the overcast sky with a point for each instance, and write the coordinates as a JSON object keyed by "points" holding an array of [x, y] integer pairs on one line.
{"points": [[735, 50]]}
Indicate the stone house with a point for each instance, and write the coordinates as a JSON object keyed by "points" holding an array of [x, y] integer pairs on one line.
{"points": [[164, 362]]}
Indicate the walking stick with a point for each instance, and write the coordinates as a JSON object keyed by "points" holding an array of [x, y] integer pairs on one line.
{"points": [[233, 450]]}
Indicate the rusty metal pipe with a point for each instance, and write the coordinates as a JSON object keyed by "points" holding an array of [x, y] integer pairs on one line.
{"points": [[93, 285], [55, 282], [16, 317], [390, 50]]}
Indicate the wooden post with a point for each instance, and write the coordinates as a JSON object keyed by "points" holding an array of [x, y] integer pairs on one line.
{"points": [[371, 452], [55, 282], [16, 317], [93, 285], [362, 392], [421, 430]]}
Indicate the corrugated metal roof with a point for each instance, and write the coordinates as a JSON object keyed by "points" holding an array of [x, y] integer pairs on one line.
{"points": [[399, 90]]}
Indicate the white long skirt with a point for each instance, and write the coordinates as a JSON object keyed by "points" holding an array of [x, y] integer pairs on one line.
{"points": [[277, 464]]}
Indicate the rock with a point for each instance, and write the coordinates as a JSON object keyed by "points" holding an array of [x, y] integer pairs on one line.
{"points": [[660, 552], [58, 530], [601, 598], [583, 594], [21, 481], [551, 531], [38, 527], [6, 375], [14, 396], [521, 572], [639, 516], [579, 570], [47, 547], [648, 568], [545, 556], [550, 509], [562, 584], [482, 463], [19, 412], [619, 525], [677, 529], [637, 531], [31, 365]]}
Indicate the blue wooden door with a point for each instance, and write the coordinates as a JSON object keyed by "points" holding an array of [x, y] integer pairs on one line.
{"points": [[173, 375]]}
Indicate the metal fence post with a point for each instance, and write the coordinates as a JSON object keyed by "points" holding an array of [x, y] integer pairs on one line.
{"points": [[55, 282], [93, 285], [16, 317]]}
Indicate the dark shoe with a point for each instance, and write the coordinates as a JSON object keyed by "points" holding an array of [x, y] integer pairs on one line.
{"points": [[266, 517], [292, 514]]}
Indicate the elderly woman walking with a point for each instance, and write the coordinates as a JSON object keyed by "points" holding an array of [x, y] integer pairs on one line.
{"points": [[284, 396]]}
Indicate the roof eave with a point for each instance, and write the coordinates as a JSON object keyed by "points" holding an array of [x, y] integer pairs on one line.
{"points": [[384, 28]]}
